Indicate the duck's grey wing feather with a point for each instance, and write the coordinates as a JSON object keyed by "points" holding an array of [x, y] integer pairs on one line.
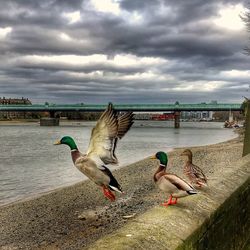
{"points": [[103, 135], [125, 121], [179, 182]]}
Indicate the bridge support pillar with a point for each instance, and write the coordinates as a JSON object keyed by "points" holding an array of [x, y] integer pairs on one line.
{"points": [[48, 121], [177, 119], [53, 120], [230, 116]]}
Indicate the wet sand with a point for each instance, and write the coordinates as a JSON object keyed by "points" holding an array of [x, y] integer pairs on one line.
{"points": [[75, 216]]}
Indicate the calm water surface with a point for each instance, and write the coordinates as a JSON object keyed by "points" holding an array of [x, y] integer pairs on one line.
{"points": [[30, 164]]}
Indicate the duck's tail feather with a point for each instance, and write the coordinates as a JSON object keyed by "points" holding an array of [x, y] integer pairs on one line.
{"points": [[113, 184], [116, 189], [190, 192]]}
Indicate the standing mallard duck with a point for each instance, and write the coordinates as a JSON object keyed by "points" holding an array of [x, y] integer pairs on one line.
{"points": [[170, 183], [109, 128], [193, 172]]}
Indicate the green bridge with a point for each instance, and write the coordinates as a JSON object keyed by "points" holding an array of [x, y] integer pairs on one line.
{"points": [[123, 107], [55, 109]]}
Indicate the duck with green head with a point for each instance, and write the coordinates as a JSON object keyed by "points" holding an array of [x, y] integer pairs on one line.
{"points": [[170, 183], [101, 151]]}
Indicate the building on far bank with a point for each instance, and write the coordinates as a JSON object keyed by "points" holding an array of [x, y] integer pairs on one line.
{"points": [[13, 101], [197, 115]]}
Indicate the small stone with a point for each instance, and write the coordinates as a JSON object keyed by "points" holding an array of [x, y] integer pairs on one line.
{"points": [[88, 215]]}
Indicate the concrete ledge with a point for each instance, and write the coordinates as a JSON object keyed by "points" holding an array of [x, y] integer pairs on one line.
{"points": [[216, 218]]}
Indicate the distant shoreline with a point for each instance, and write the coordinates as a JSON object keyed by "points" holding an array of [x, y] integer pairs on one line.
{"points": [[19, 122]]}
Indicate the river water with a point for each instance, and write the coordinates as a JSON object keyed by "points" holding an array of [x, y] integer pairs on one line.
{"points": [[30, 164]]}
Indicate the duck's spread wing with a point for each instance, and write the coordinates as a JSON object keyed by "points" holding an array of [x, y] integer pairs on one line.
{"points": [[178, 182], [105, 134], [125, 121]]}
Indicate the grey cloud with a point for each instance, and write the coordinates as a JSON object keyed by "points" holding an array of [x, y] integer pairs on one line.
{"points": [[195, 51], [25, 66]]}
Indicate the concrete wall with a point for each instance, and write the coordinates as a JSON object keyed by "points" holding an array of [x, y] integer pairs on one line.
{"points": [[228, 227], [216, 218], [246, 148]]}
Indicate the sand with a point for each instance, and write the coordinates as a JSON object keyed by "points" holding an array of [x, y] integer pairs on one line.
{"points": [[75, 216]]}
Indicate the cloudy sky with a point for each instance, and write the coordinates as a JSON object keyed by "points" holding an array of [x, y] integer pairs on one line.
{"points": [[124, 51]]}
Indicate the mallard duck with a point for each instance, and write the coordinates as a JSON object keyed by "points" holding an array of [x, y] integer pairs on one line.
{"points": [[193, 172], [109, 128], [170, 183]]}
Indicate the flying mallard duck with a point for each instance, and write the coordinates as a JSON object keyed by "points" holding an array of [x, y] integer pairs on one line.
{"points": [[109, 128], [170, 183], [193, 172]]}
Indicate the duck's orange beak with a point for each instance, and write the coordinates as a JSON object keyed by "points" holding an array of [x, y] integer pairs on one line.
{"points": [[57, 143], [153, 157]]}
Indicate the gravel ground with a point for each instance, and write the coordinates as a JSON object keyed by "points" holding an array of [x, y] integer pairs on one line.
{"points": [[75, 216]]}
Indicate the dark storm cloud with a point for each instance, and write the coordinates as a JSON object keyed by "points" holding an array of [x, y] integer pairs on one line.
{"points": [[23, 66], [180, 34]]}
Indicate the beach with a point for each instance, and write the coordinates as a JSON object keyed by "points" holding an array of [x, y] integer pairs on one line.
{"points": [[76, 216]]}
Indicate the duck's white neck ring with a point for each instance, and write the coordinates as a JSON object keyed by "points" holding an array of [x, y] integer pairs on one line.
{"points": [[162, 165], [73, 150]]}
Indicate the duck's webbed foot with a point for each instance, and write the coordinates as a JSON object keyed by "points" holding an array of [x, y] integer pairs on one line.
{"points": [[107, 193], [170, 201]]}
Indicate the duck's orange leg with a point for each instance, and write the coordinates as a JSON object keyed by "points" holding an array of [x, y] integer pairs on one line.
{"points": [[107, 193], [170, 201]]}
